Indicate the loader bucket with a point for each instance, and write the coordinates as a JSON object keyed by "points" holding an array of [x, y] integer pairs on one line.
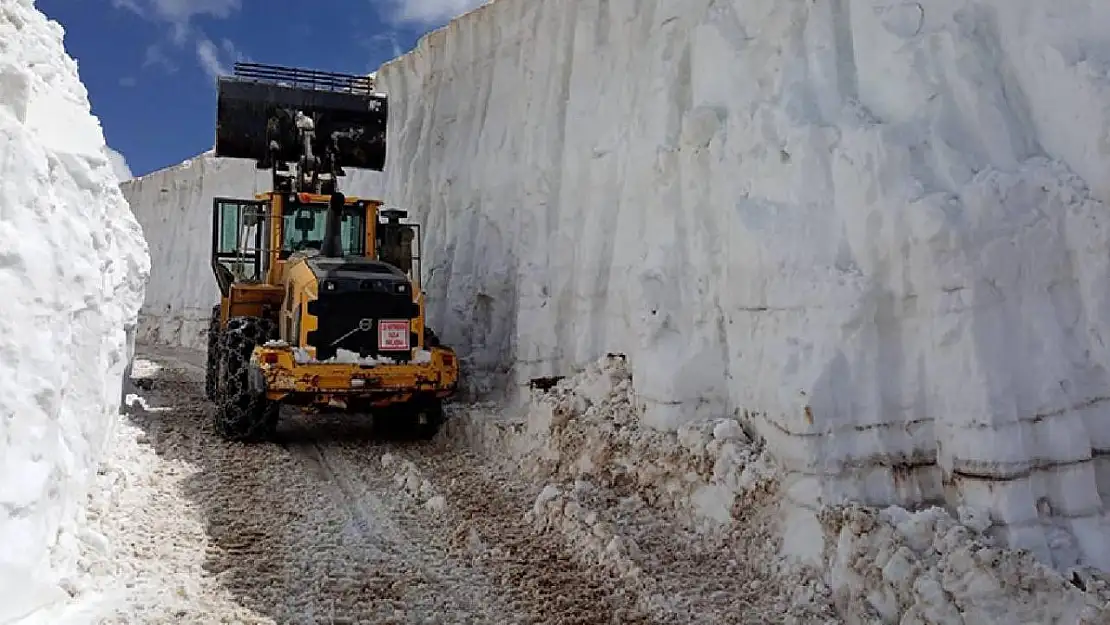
{"points": [[258, 105]]}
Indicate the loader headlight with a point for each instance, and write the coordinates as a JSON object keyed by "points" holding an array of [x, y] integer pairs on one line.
{"points": [[328, 285], [402, 288]]}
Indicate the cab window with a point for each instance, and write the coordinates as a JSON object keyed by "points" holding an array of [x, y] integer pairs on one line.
{"points": [[303, 229]]}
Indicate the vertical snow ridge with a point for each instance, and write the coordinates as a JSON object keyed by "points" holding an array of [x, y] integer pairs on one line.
{"points": [[73, 263], [873, 228]]}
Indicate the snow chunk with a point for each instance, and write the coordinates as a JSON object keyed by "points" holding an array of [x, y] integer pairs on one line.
{"points": [[345, 356], [925, 567], [411, 481], [342, 356], [72, 268]]}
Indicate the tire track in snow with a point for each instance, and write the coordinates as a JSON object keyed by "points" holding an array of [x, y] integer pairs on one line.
{"points": [[314, 530], [483, 519], [281, 540], [316, 462]]}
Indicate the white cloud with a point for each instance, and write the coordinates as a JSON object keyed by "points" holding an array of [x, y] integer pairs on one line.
{"points": [[429, 12], [118, 163], [178, 16], [179, 11], [216, 60], [155, 56], [387, 38], [209, 57]]}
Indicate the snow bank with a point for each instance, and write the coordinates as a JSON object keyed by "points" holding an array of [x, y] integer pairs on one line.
{"points": [[688, 521], [174, 206], [872, 229], [72, 266], [605, 476], [588, 427]]}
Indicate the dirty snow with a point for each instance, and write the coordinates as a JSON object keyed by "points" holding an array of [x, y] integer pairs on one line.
{"points": [[925, 567], [504, 520], [72, 266], [332, 524], [613, 487], [874, 231]]}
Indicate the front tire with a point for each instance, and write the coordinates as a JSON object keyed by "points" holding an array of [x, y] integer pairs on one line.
{"points": [[242, 415]]}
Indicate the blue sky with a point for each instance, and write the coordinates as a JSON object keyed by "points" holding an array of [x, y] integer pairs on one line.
{"points": [[149, 64]]}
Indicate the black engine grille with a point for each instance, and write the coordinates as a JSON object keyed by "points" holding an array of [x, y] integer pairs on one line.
{"points": [[348, 311]]}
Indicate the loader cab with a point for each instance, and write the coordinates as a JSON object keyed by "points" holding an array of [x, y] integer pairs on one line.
{"points": [[366, 231], [303, 226], [254, 239]]}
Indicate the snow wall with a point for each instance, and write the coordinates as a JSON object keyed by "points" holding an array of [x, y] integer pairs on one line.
{"points": [[174, 206], [872, 229], [72, 267]]}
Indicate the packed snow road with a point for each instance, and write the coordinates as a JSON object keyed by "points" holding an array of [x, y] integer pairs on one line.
{"points": [[328, 525], [331, 524]]}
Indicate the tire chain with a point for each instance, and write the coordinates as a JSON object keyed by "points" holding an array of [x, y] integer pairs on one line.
{"points": [[241, 415], [212, 355]]}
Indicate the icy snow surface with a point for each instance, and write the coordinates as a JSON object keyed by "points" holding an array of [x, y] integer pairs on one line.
{"points": [[174, 206], [72, 266], [873, 230]]}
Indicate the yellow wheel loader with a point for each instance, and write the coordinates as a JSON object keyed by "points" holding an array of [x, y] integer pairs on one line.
{"points": [[320, 299]]}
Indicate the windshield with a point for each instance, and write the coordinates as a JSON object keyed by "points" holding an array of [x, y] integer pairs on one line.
{"points": [[303, 229]]}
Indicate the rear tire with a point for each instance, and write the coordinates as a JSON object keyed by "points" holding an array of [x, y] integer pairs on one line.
{"points": [[241, 414], [425, 418], [419, 419], [213, 347]]}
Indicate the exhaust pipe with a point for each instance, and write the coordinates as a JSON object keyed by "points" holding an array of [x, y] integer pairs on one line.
{"points": [[332, 247]]}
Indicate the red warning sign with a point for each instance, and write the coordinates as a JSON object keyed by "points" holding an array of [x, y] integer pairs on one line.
{"points": [[393, 335]]}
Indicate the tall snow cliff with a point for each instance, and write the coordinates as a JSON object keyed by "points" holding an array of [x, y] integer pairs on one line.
{"points": [[873, 228], [174, 206], [72, 268]]}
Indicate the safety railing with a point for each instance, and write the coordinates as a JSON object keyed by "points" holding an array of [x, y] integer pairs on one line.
{"points": [[314, 79]]}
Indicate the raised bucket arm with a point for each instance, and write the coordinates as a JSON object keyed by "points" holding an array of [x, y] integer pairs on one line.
{"points": [[256, 117]]}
